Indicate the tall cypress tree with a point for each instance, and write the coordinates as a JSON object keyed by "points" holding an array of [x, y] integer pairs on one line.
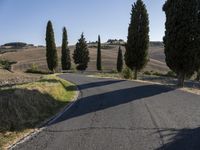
{"points": [[81, 54], [51, 52], [65, 58], [180, 37], [198, 43], [119, 60], [99, 54], [136, 55]]}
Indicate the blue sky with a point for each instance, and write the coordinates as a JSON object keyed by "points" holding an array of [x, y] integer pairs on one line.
{"points": [[25, 20]]}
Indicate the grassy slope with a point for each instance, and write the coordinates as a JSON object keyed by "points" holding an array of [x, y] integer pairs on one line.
{"points": [[27, 57], [22, 107]]}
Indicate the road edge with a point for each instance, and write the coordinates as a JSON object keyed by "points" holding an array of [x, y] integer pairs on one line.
{"points": [[48, 121]]}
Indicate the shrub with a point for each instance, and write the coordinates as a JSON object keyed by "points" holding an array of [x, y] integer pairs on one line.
{"points": [[81, 54], [171, 74], [5, 64], [114, 71], [34, 69], [147, 73], [127, 73], [157, 74]]}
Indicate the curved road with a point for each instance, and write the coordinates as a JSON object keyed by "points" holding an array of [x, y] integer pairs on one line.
{"points": [[123, 115]]}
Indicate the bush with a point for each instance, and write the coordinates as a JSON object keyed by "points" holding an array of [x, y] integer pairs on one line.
{"points": [[127, 73], [34, 69], [5, 64], [114, 71], [157, 74], [171, 74], [147, 73]]}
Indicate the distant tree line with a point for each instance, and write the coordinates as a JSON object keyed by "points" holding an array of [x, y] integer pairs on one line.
{"points": [[181, 42], [115, 41], [16, 44]]}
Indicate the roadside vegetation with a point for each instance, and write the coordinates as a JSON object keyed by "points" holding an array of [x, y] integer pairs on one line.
{"points": [[35, 70], [23, 107], [5, 64], [65, 57], [81, 54], [136, 55], [98, 62], [51, 52]]}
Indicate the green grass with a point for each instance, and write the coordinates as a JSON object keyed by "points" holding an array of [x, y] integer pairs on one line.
{"points": [[23, 107]]}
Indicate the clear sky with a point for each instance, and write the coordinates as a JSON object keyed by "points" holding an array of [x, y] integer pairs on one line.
{"points": [[25, 20]]}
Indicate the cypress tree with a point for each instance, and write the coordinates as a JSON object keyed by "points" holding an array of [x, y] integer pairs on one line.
{"points": [[136, 55], [198, 76], [99, 68], [65, 58], [51, 52], [81, 54], [119, 60], [181, 37], [198, 43]]}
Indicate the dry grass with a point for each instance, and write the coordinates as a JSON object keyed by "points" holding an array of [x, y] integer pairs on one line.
{"points": [[10, 78], [27, 57], [22, 107], [190, 86]]}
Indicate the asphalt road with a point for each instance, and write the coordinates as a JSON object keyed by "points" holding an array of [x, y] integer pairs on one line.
{"points": [[123, 115]]}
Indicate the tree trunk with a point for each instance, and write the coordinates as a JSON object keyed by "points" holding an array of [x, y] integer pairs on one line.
{"points": [[135, 74], [181, 78]]}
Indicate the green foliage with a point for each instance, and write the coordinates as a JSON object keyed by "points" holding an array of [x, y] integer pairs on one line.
{"points": [[99, 68], [65, 58], [5, 64], [127, 73], [171, 74], [103, 46], [147, 73], [120, 60], [81, 54], [198, 75], [34, 69], [181, 37], [16, 44], [198, 43], [113, 71], [51, 52], [136, 56]]}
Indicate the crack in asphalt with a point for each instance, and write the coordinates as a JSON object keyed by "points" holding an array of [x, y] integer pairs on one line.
{"points": [[156, 125]]}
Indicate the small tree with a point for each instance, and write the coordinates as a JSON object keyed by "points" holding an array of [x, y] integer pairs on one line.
{"points": [[51, 52], [99, 68], [81, 54], [119, 60], [136, 55], [181, 37], [65, 58]]}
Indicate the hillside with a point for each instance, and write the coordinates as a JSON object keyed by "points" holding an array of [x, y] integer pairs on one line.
{"points": [[25, 58]]}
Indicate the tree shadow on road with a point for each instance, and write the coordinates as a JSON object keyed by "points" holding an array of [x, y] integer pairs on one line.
{"points": [[110, 99], [182, 139], [98, 84]]}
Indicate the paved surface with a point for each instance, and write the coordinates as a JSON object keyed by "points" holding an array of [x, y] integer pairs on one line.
{"points": [[123, 115]]}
